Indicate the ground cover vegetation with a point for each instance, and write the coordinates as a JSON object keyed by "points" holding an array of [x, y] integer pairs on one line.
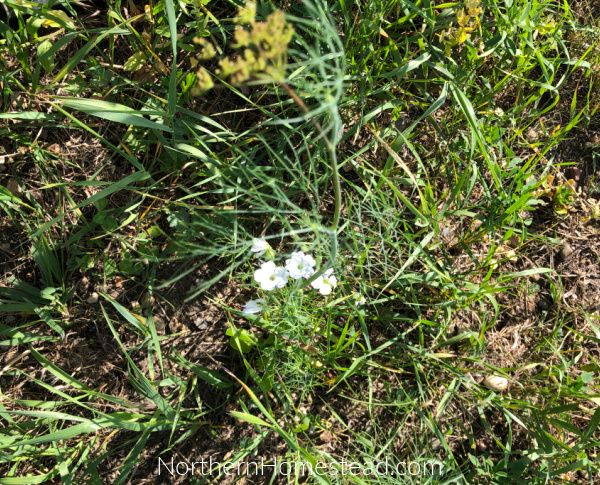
{"points": [[306, 230]]}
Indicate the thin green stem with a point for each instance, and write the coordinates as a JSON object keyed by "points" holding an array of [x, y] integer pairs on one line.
{"points": [[337, 189]]}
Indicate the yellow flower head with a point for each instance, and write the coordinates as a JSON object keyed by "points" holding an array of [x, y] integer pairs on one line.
{"points": [[246, 14], [205, 82], [208, 50], [473, 7], [463, 19], [265, 43], [547, 27]]}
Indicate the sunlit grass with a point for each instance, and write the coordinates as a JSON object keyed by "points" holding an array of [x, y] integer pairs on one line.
{"points": [[407, 146]]}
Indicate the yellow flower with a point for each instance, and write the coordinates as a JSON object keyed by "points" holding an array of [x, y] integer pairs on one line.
{"points": [[208, 50], [462, 33], [477, 24], [242, 37], [463, 19], [265, 53], [205, 82], [547, 28], [246, 14]]}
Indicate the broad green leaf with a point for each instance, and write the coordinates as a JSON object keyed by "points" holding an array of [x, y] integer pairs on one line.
{"points": [[135, 62], [58, 19], [47, 62]]}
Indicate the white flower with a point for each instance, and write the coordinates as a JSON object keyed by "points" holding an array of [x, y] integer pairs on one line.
{"points": [[300, 265], [253, 306], [326, 282], [359, 299], [270, 276], [260, 247]]}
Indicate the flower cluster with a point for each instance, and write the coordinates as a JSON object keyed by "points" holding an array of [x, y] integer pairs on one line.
{"points": [[455, 36], [298, 266], [205, 82], [265, 47], [546, 27], [549, 29]]}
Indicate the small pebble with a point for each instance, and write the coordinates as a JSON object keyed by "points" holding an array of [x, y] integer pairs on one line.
{"points": [[14, 188], [565, 253], [574, 173], [513, 241], [175, 326], [481, 446], [495, 383], [159, 323], [543, 304], [532, 134], [147, 300], [435, 444], [93, 298], [135, 305], [201, 323]]}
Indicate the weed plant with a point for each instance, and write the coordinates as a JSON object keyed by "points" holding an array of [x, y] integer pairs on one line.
{"points": [[416, 150]]}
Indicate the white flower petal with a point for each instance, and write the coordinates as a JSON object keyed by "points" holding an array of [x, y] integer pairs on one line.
{"points": [[325, 283], [300, 265], [259, 246], [270, 276], [253, 306], [265, 270], [281, 277], [317, 283]]}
